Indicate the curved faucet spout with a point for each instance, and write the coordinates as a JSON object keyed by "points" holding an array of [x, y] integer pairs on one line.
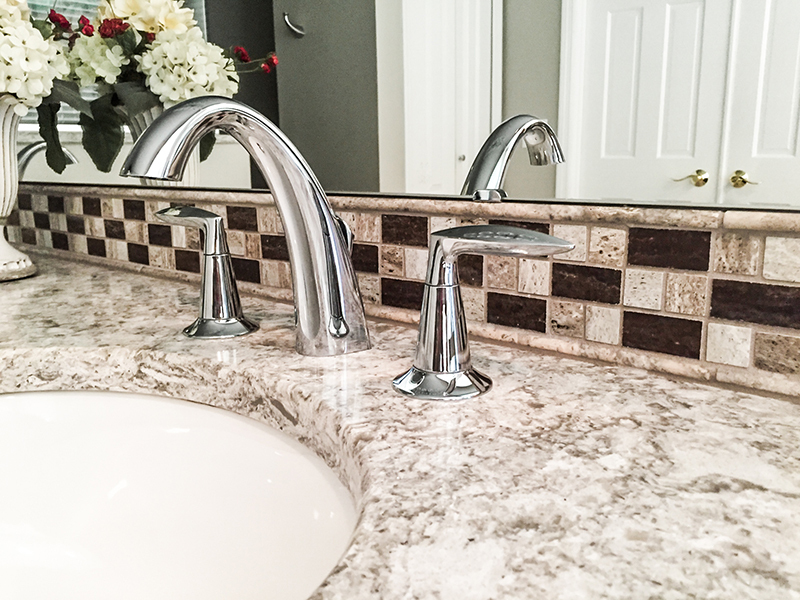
{"points": [[485, 178], [330, 312]]}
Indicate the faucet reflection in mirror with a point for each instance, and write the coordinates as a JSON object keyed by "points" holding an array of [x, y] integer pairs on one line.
{"points": [[329, 308]]}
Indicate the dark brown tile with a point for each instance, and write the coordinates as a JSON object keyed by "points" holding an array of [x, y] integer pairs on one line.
{"points": [[669, 248], [24, 202], [60, 240], [76, 224], [159, 235], [587, 283], [365, 258], [540, 227], [777, 353], [242, 218], [138, 253], [133, 209], [516, 311], [678, 337], [41, 220], [13, 218], [115, 229], [96, 247], [187, 260], [55, 204], [246, 269], [402, 294], [756, 303], [470, 269], [92, 207], [274, 247], [28, 236], [404, 230]]}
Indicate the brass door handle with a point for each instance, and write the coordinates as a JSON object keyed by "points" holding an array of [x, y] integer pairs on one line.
{"points": [[739, 179], [699, 178]]}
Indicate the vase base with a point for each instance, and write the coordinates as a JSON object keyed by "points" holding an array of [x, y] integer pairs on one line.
{"points": [[17, 269]]}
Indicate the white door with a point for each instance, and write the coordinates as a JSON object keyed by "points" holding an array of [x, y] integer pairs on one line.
{"points": [[653, 79], [761, 124]]}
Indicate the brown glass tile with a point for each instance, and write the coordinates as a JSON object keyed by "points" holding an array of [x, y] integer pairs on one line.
{"points": [[187, 260], [470, 269], [402, 294], [365, 258], [669, 248], [28, 236], [246, 269], [404, 230], [138, 253], [540, 227], [41, 220], [516, 311], [115, 229], [586, 283], [60, 240], [76, 224], [242, 218], [55, 204], [24, 202], [274, 247], [13, 218], [756, 303], [92, 207], [777, 353], [159, 235], [678, 337], [96, 247], [133, 209]]}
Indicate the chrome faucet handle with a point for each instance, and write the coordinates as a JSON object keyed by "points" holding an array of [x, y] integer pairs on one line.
{"points": [[442, 368], [220, 309]]}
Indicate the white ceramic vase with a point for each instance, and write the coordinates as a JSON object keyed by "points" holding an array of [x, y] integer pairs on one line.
{"points": [[13, 263]]}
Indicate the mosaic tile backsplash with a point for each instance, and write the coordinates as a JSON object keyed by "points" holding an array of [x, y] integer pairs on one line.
{"points": [[726, 302]]}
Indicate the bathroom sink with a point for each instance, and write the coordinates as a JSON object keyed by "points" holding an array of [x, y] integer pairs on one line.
{"points": [[115, 495]]}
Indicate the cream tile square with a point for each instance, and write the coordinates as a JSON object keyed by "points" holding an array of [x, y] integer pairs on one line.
{"points": [[135, 232], [567, 318], [39, 203], [644, 289], [575, 234], [534, 276], [439, 223], [268, 220], [368, 227], [782, 259], [58, 222], [117, 249], [26, 219], [235, 242], [736, 253], [14, 234], [370, 286], [77, 243], [603, 324], [276, 273], [474, 300], [416, 263], [607, 246], [686, 294], [161, 257], [178, 237], [73, 205], [44, 238], [728, 344], [112, 208], [392, 260], [95, 226], [502, 272]]}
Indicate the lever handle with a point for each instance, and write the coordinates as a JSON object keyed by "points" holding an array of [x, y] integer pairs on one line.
{"points": [[211, 224], [298, 30], [739, 179], [699, 178]]}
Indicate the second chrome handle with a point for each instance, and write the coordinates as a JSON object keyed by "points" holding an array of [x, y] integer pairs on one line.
{"points": [[739, 179], [699, 178]]}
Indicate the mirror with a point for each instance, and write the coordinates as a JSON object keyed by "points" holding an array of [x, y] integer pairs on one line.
{"points": [[640, 94]]}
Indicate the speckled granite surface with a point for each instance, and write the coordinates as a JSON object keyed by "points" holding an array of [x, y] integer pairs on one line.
{"points": [[568, 480]]}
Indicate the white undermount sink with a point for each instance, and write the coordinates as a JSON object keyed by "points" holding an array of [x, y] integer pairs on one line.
{"points": [[113, 495]]}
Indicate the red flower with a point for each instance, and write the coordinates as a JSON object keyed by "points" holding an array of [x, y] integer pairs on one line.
{"points": [[273, 59], [266, 68], [86, 26], [150, 36], [270, 62], [241, 54], [113, 27], [59, 20]]}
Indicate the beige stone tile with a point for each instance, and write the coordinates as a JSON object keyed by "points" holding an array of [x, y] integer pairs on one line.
{"points": [[252, 245], [269, 221], [349, 218], [77, 243], [14, 234], [728, 344], [26, 219], [370, 286], [39, 203], [117, 249], [151, 207], [607, 246], [276, 273], [236, 242], [644, 289], [135, 232], [179, 237], [193, 238], [603, 324], [575, 234], [392, 260], [462, 221], [534, 276], [686, 294], [736, 253], [777, 353], [368, 227], [782, 259], [474, 300], [73, 205], [502, 272], [163, 258], [416, 263], [439, 223], [95, 227], [44, 238], [567, 318], [112, 208], [58, 222]]}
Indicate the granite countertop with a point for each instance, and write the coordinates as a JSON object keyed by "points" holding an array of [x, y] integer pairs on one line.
{"points": [[568, 480]]}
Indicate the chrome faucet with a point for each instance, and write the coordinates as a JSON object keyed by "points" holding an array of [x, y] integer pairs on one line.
{"points": [[442, 368], [25, 156], [329, 308], [484, 181]]}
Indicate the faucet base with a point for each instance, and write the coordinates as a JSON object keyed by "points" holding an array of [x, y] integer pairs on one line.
{"points": [[220, 328], [428, 385]]}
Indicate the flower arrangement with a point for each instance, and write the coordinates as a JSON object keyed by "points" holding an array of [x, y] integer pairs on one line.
{"points": [[139, 55]]}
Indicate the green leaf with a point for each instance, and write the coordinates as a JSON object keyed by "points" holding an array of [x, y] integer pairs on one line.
{"points": [[48, 129], [43, 27], [103, 135], [69, 92], [207, 145], [129, 39], [135, 97]]}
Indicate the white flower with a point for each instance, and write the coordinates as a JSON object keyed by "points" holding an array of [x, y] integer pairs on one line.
{"points": [[179, 66], [149, 15], [91, 58], [28, 62]]}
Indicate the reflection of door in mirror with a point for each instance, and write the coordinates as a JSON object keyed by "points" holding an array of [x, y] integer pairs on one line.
{"points": [[647, 82]]}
